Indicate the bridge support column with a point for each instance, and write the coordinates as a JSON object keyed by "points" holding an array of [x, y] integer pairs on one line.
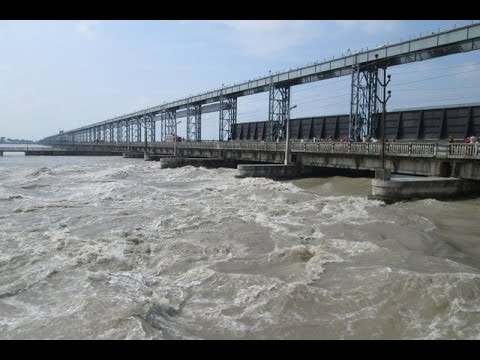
{"points": [[118, 126], [127, 134], [98, 134], [112, 133], [152, 129], [367, 94], [149, 127], [228, 118], [278, 104], [139, 130], [161, 118], [363, 104], [170, 122], [194, 123]]}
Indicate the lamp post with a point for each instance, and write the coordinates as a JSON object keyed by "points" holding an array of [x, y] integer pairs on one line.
{"points": [[384, 111], [287, 136], [383, 101]]}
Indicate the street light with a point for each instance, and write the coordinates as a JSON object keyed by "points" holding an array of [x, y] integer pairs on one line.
{"points": [[175, 140], [383, 101], [287, 140]]}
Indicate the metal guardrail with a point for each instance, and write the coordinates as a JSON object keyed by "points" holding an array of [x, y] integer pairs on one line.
{"points": [[13, 149], [23, 148], [392, 149], [464, 150], [410, 149]]}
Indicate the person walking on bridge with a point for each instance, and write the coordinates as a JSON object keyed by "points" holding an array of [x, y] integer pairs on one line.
{"points": [[473, 139]]}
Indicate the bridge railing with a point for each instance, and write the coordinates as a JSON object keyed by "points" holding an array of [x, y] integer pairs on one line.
{"points": [[423, 149], [23, 148], [411, 149], [463, 150], [13, 149], [391, 149], [399, 148]]}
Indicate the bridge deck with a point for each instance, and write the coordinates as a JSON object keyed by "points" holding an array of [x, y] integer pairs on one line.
{"points": [[440, 149], [23, 148]]}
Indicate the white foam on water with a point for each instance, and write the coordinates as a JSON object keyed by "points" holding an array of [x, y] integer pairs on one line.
{"points": [[197, 253], [350, 248], [451, 305], [352, 210]]}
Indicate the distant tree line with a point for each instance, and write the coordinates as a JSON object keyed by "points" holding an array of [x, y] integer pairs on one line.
{"points": [[4, 140]]}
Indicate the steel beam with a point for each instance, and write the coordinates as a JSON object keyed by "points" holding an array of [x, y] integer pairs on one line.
{"points": [[278, 104], [170, 122], [227, 118], [194, 123], [363, 103]]}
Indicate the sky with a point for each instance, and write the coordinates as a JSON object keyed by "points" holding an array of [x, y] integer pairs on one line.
{"points": [[60, 75]]}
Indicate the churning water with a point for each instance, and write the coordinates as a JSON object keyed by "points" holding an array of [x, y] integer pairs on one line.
{"points": [[113, 248]]}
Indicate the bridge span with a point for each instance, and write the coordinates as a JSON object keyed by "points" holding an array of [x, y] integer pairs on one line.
{"points": [[368, 93], [438, 158]]}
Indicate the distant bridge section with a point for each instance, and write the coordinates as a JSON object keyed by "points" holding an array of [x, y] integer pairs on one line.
{"points": [[438, 158], [363, 66]]}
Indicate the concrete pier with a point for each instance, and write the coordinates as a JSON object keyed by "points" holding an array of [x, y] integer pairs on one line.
{"points": [[272, 171], [71, 153], [156, 157], [133, 154], [172, 162], [418, 187]]}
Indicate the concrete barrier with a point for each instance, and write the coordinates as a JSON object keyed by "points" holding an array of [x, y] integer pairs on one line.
{"points": [[172, 162], [156, 157], [417, 187], [272, 171], [133, 154]]}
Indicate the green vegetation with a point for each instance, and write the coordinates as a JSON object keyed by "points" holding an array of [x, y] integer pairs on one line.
{"points": [[4, 140]]}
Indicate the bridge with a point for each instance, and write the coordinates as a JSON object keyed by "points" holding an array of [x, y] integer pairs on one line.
{"points": [[438, 158], [51, 150], [368, 94], [413, 141], [416, 145], [25, 149]]}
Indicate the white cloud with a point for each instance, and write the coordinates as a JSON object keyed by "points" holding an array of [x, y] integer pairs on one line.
{"points": [[268, 38], [369, 26], [87, 27]]}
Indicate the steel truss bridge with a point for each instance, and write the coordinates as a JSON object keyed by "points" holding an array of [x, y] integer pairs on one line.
{"points": [[368, 94]]}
